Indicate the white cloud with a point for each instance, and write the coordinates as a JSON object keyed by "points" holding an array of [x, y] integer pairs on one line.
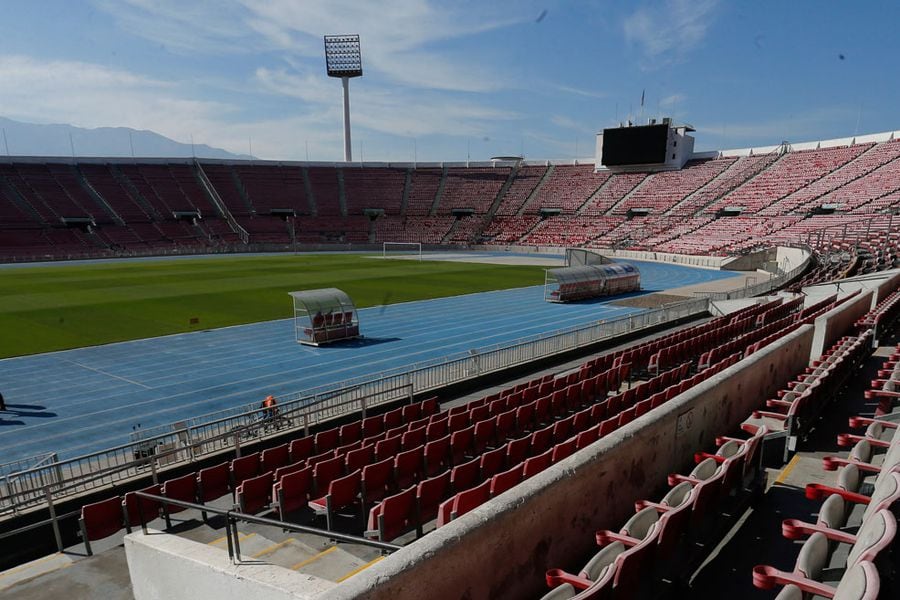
{"points": [[395, 33], [666, 32], [672, 100], [207, 26], [796, 127], [395, 111]]}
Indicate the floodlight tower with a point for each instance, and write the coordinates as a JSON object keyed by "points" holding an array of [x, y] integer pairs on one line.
{"points": [[343, 59]]}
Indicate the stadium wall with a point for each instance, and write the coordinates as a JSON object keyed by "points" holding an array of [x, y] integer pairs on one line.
{"points": [[167, 567], [502, 548], [838, 321], [886, 287]]}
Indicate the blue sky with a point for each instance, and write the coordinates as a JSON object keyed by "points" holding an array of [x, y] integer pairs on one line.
{"points": [[444, 80]]}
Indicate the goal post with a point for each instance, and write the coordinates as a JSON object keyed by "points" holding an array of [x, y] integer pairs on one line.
{"points": [[401, 249]]}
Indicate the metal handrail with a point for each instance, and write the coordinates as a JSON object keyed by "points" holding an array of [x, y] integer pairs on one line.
{"points": [[232, 516]]}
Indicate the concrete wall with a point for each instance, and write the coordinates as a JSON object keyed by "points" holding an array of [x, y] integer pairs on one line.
{"points": [[167, 567], [886, 288], [752, 261], [837, 322], [503, 547], [705, 262]]}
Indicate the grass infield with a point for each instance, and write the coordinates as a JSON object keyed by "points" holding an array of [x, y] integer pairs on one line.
{"points": [[69, 306]]}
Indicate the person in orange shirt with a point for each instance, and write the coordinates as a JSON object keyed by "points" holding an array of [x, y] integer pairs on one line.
{"points": [[270, 407]]}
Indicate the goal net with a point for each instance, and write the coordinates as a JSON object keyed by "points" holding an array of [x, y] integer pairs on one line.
{"points": [[401, 250]]}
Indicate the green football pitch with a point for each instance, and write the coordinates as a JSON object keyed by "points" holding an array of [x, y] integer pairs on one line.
{"points": [[48, 308]]}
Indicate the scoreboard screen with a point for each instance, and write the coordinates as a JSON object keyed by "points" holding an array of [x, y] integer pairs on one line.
{"points": [[644, 144]]}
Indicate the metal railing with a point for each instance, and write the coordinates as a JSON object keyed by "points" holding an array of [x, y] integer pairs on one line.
{"points": [[764, 287], [151, 454], [233, 516], [204, 435]]}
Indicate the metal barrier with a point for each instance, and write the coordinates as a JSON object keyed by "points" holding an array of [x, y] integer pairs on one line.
{"points": [[189, 440], [150, 455], [764, 287], [233, 516]]}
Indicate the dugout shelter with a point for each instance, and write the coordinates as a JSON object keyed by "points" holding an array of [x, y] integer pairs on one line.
{"points": [[582, 282], [323, 316]]}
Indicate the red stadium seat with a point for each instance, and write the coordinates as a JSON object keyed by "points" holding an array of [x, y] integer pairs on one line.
{"points": [[492, 462], [506, 480], [536, 464], [183, 488], [272, 458], [429, 495], [471, 499], [243, 468], [408, 467], [413, 438], [359, 458], [351, 432], [100, 520], [135, 506], [377, 481], [292, 491], [342, 492], [302, 448], [213, 482], [253, 495], [517, 450], [387, 448], [466, 475], [461, 444], [327, 440], [437, 456], [327, 471], [393, 517]]}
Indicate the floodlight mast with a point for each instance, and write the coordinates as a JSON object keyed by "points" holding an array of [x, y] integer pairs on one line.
{"points": [[343, 59]]}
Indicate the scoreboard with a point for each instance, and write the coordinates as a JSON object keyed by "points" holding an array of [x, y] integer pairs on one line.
{"points": [[636, 145]]}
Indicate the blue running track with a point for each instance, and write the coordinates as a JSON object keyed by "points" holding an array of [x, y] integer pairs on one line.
{"points": [[79, 401]]}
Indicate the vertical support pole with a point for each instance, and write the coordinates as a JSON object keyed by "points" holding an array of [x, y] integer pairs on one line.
{"points": [[55, 523], [237, 444], [59, 475], [348, 154], [153, 473], [237, 542]]}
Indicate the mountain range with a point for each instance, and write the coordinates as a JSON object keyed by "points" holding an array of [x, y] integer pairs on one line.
{"points": [[33, 139]]}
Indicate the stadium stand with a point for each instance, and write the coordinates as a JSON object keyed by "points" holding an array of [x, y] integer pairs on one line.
{"points": [[107, 208], [474, 188], [567, 188]]}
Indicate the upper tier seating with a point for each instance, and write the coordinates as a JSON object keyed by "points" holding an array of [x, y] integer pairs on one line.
{"points": [[567, 188], [793, 171], [740, 171], [826, 188], [323, 181], [527, 178], [269, 187], [374, 188], [664, 190], [474, 188], [618, 186], [422, 189]]}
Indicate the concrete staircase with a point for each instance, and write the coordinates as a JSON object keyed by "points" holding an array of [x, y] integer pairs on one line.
{"points": [[624, 199], [440, 192], [317, 558], [536, 190]]}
